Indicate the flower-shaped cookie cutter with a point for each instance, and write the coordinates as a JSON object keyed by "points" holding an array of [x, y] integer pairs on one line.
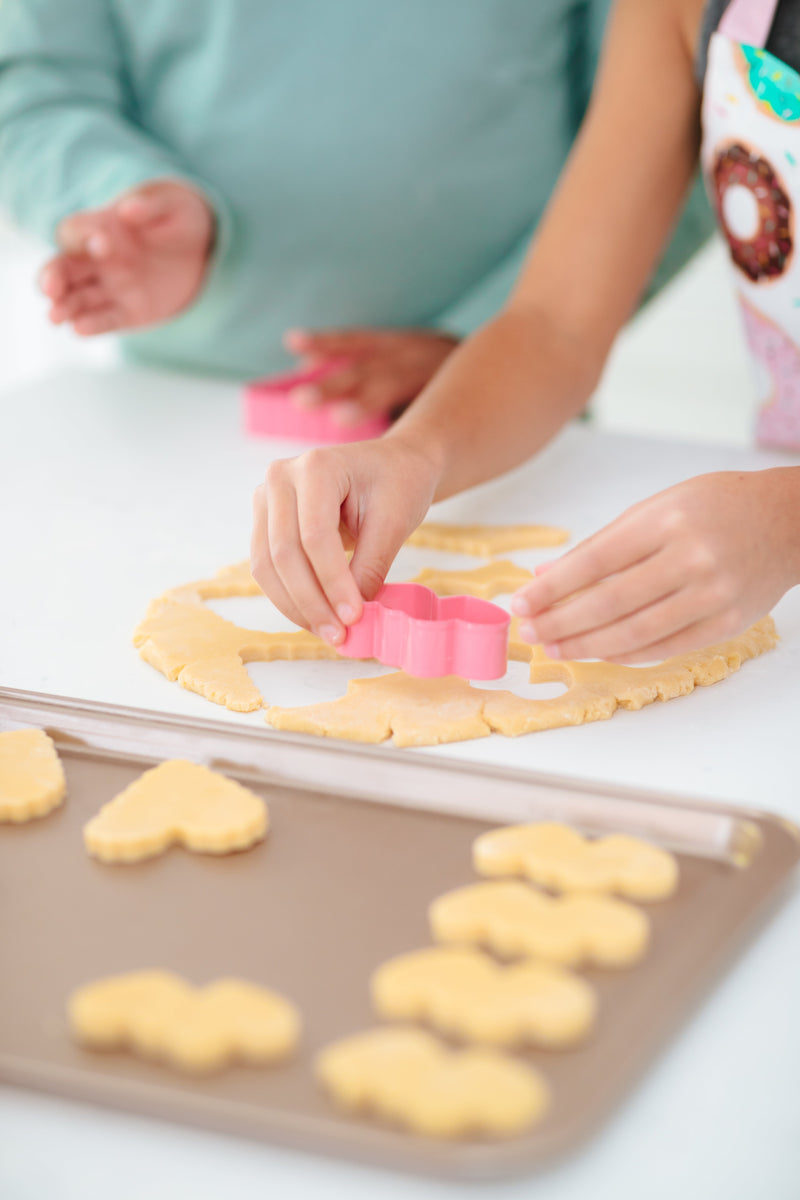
{"points": [[270, 412], [409, 626]]}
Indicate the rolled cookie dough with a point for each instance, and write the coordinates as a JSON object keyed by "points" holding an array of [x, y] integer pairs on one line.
{"points": [[463, 993], [207, 654], [427, 712], [515, 920], [158, 1015], [180, 803], [407, 1076], [558, 857], [32, 779], [484, 541], [493, 579]]}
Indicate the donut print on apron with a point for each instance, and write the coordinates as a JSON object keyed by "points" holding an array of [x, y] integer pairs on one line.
{"points": [[751, 162]]}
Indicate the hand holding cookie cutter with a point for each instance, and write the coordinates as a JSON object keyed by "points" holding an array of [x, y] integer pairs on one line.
{"points": [[409, 626], [270, 412]]}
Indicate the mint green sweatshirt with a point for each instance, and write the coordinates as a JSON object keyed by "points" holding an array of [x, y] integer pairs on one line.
{"points": [[371, 162]]}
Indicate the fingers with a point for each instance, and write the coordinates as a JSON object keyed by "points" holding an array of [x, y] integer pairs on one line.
{"points": [[302, 562], [376, 549], [355, 389], [634, 632], [342, 382], [106, 320], [60, 275], [98, 235], [609, 601], [81, 300], [700, 633], [166, 211], [330, 343], [319, 512], [261, 564], [620, 545]]}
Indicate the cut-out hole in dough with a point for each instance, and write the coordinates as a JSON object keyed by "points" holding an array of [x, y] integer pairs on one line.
{"points": [[516, 680], [252, 612], [290, 684]]}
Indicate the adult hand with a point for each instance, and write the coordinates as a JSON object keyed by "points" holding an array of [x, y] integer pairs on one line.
{"points": [[382, 369], [376, 491], [684, 569], [139, 261]]}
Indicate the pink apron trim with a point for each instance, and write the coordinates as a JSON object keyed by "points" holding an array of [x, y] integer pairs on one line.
{"points": [[748, 21]]}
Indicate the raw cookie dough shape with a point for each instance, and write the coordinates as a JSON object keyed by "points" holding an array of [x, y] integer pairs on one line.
{"points": [[464, 993], [485, 541], [428, 712], [158, 1015], [32, 779], [492, 579], [515, 921], [180, 803], [205, 653], [408, 1077], [558, 857]]}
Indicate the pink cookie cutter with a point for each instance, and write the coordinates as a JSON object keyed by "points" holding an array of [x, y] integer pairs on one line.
{"points": [[269, 411], [409, 626]]}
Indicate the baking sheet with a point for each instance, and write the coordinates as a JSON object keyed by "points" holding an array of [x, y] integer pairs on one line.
{"points": [[340, 885]]}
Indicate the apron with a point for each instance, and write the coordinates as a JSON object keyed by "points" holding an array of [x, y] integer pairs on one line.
{"points": [[750, 157]]}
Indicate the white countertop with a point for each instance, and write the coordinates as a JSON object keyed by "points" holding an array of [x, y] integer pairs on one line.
{"points": [[115, 485]]}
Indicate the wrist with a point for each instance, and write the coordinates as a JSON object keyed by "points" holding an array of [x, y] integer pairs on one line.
{"points": [[780, 488]]}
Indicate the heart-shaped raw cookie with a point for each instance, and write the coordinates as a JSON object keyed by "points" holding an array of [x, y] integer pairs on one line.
{"points": [[31, 776], [176, 802]]}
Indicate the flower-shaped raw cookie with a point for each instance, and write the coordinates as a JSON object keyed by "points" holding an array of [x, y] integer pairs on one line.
{"points": [[515, 920], [159, 1015], [407, 1076], [32, 779], [493, 579], [484, 541], [176, 802], [462, 992], [556, 856]]}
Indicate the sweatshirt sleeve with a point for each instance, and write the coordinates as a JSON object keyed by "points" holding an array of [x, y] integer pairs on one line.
{"points": [[68, 136]]}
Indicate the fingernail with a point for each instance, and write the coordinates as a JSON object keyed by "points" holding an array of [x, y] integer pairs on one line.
{"points": [[527, 631], [521, 606], [97, 245], [553, 651], [330, 634], [346, 614], [542, 567], [305, 396]]}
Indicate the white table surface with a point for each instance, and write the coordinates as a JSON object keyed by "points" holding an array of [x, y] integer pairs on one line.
{"points": [[115, 485]]}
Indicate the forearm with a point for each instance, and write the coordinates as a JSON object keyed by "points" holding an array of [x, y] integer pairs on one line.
{"points": [[500, 398], [506, 392]]}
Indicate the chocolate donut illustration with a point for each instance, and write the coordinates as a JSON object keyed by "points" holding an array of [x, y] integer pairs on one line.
{"points": [[754, 212]]}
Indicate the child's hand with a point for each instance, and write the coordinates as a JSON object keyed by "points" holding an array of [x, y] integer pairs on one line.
{"points": [[691, 566], [385, 369], [139, 261], [377, 491]]}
